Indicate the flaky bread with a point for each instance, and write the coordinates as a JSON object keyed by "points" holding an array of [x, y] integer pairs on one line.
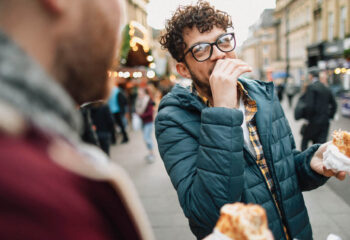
{"points": [[341, 139], [239, 221]]}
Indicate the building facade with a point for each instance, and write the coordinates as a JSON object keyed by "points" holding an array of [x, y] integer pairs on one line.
{"points": [[331, 37], [137, 11], [308, 34], [136, 59], [294, 35], [314, 35], [260, 50]]}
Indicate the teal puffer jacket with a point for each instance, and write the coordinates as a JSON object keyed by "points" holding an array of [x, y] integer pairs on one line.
{"points": [[209, 166]]}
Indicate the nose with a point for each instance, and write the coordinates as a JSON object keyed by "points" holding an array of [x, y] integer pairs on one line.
{"points": [[217, 54]]}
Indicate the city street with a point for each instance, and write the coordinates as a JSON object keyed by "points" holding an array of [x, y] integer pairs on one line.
{"points": [[328, 206]]}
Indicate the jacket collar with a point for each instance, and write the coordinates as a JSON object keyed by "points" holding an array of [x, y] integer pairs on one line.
{"points": [[183, 97]]}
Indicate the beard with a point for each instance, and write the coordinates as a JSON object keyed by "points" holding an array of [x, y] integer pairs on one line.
{"points": [[84, 57], [202, 84]]}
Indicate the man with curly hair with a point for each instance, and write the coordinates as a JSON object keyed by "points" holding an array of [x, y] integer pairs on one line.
{"points": [[226, 139]]}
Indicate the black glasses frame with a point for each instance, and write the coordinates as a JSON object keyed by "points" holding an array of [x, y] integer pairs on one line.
{"points": [[211, 47]]}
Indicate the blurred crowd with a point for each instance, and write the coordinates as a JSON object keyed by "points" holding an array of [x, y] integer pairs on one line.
{"points": [[107, 122]]}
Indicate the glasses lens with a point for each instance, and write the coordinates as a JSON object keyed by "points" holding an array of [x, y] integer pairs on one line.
{"points": [[201, 51], [226, 43]]}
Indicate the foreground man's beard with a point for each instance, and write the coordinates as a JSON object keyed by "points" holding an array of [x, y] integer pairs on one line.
{"points": [[82, 60]]}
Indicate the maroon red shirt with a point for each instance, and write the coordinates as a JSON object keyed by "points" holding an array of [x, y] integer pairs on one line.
{"points": [[41, 200]]}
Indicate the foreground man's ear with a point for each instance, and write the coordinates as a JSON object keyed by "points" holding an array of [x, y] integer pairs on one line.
{"points": [[54, 6], [183, 70]]}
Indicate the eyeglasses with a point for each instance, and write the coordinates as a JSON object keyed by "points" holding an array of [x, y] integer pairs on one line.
{"points": [[203, 51]]}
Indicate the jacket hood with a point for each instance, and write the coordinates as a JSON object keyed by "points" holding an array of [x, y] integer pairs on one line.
{"points": [[182, 97]]}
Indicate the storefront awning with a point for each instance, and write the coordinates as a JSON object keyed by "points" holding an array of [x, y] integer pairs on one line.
{"points": [[276, 75]]}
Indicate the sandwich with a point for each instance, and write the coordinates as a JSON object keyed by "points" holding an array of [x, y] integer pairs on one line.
{"points": [[240, 221], [337, 155]]}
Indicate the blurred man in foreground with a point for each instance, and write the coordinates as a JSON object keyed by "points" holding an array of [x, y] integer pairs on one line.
{"points": [[54, 55], [226, 139]]}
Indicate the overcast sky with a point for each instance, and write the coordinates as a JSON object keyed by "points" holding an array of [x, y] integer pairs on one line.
{"points": [[244, 12]]}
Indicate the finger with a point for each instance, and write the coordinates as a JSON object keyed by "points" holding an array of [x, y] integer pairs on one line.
{"points": [[239, 68], [238, 61], [327, 172], [221, 65], [235, 64], [229, 72], [239, 71], [341, 175], [228, 65]]}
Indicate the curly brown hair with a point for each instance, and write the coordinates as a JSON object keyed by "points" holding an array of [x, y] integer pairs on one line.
{"points": [[203, 16]]}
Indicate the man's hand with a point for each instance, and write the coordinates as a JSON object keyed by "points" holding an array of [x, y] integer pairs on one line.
{"points": [[317, 164], [223, 81]]}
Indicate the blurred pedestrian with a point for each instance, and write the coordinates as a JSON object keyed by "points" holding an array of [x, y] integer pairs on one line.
{"points": [[320, 108], [124, 106], [88, 134], [279, 88], [291, 90], [144, 108], [54, 56], [103, 123], [117, 108]]}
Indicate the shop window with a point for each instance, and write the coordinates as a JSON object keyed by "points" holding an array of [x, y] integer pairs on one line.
{"points": [[342, 22], [330, 27]]}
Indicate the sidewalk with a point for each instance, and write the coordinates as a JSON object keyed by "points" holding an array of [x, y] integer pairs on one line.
{"points": [[328, 212], [155, 189]]}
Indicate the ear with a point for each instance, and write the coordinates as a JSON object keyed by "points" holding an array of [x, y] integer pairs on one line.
{"points": [[183, 70], [54, 6]]}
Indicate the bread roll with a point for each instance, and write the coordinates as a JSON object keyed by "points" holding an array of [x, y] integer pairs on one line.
{"points": [[239, 221], [341, 139]]}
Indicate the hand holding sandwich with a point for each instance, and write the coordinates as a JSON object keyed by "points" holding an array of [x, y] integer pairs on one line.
{"points": [[223, 81], [317, 164]]}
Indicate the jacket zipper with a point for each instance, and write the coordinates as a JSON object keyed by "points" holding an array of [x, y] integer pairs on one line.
{"points": [[279, 211], [274, 177], [278, 191]]}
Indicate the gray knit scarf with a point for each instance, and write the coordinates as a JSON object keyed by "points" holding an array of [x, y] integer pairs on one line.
{"points": [[28, 89]]}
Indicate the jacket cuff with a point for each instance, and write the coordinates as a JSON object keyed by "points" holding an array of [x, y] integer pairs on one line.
{"points": [[316, 179]]}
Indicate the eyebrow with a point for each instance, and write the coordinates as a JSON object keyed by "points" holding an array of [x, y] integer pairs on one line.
{"points": [[208, 41]]}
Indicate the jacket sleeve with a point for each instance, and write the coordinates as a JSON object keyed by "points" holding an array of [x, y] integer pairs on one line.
{"points": [[206, 171], [308, 179]]}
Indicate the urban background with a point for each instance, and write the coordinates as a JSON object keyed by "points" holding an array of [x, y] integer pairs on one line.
{"points": [[288, 41]]}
